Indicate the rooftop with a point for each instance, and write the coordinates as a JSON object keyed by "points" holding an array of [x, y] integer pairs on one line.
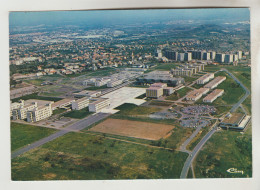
{"points": [[234, 119], [213, 94]]}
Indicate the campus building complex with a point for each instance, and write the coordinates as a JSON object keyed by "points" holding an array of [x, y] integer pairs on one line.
{"points": [[32, 110], [157, 90], [187, 69], [87, 93], [80, 103], [213, 95], [98, 104], [39, 113], [235, 121], [160, 77], [205, 78], [196, 94], [215, 82], [62, 103]]}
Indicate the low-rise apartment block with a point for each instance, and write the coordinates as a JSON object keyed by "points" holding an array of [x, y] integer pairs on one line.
{"points": [[80, 103], [205, 78], [39, 113], [31, 105], [213, 95], [98, 104], [215, 82], [196, 94]]}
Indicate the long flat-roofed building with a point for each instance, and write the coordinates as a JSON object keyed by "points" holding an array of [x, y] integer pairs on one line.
{"points": [[80, 103], [62, 103], [39, 113], [87, 93], [162, 85], [205, 78], [236, 121], [160, 76], [213, 95], [98, 104], [196, 94], [215, 82]]}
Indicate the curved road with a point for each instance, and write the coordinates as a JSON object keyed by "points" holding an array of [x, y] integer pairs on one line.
{"points": [[198, 147]]}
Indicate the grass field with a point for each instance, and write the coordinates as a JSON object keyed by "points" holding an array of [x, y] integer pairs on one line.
{"points": [[58, 111], [232, 91], [198, 137], [242, 73], [22, 135], [78, 114], [78, 156], [35, 96], [36, 82], [160, 103], [132, 109], [179, 94], [225, 149]]}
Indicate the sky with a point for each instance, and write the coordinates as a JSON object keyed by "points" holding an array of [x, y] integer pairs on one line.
{"points": [[105, 17]]}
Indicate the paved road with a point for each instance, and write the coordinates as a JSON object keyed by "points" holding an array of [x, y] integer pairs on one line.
{"points": [[184, 145], [75, 126], [195, 151], [243, 86]]}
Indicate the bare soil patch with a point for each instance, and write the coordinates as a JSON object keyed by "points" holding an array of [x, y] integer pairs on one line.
{"points": [[137, 129]]}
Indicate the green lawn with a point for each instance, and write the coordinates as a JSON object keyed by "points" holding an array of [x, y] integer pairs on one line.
{"points": [[225, 149], [160, 103], [198, 138], [22, 135], [165, 66], [36, 82], [58, 111], [233, 92], [35, 96], [132, 109], [179, 94], [78, 156], [78, 114]]}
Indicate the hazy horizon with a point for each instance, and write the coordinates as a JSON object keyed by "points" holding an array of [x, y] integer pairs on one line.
{"points": [[113, 17]]}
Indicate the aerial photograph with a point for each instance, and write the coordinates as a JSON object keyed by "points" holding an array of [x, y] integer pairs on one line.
{"points": [[130, 94]]}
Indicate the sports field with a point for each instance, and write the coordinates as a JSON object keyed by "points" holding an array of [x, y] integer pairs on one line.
{"points": [[137, 129]]}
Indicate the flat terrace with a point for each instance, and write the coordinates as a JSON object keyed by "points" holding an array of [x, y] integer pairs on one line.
{"points": [[236, 118]]}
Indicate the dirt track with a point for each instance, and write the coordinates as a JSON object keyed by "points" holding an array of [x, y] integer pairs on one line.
{"points": [[137, 129]]}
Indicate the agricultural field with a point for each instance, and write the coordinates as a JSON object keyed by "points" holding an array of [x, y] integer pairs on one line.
{"points": [[136, 129], [225, 149], [78, 156], [22, 134]]}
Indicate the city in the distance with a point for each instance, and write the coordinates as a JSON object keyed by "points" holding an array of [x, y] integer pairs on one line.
{"points": [[130, 94]]}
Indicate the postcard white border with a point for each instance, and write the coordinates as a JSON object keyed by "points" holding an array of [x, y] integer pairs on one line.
{"points": [[212, 184]]}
